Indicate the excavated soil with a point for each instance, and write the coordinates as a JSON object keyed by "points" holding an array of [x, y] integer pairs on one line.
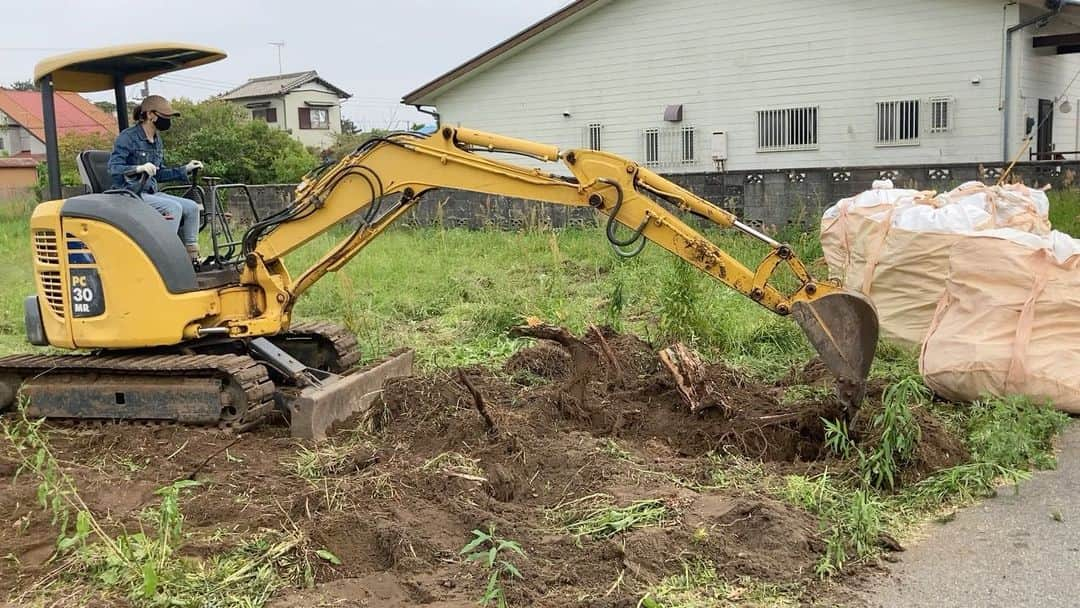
{"points": [[403, 496]]}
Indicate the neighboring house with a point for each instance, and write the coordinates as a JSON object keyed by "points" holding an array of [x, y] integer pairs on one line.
{"points": [[828, 83], [22, 128], [18, 176], [303, 104]]}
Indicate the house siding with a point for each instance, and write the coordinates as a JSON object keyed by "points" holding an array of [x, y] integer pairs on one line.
{"points": [[294, 100], [288, 108], [1045, 75], [622, 62]]}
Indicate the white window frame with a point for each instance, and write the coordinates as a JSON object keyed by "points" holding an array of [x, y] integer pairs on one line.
{"points": [[889, 129], [788, 128], [688, 145], [594, 136], [948, 117], [650, 142]]}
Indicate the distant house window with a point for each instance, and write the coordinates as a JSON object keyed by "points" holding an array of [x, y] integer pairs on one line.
{"points": [[652, 147], [265, 114], [786, 129], [941, 114], [687, 141], [595, 136], [898, 122], [314, 118]]}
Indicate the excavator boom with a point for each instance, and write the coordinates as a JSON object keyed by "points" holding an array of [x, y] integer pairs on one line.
{"points": [[386, 177]]}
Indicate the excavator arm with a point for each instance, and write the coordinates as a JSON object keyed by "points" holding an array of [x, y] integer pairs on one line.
{"points": [[386, 177]]}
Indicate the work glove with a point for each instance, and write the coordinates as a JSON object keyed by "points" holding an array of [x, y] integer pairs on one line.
{"points": [[147, 168], [193, 165]]}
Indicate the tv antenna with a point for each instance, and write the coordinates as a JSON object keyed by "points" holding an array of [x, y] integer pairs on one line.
{"points": [[279, 64]]}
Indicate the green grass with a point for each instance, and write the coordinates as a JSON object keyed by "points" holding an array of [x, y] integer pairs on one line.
{"points": [[1065, 211], [700, 586], [597, 517], [453, 294]]}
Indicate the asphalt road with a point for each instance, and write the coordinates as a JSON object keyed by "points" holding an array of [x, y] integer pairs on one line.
{"points": [[1014, 550]]}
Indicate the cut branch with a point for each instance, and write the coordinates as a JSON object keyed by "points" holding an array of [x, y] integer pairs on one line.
{"points": [[606, 349], [478, 400]]}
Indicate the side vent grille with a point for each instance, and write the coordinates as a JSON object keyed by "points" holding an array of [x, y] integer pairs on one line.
{"points": [[54, 290], [45, 249]]}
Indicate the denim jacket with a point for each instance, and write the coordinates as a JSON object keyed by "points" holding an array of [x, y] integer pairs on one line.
{"points": [[132, 149]]}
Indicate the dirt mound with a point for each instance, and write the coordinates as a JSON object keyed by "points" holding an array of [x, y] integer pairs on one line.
{"points": [[531, 459], [544, 360]]}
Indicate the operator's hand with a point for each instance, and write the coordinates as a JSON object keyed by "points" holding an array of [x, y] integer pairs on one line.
{"points": [[147, 168], [193, 165]]}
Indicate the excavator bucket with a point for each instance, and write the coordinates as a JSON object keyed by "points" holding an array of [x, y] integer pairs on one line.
{"points": [[843, 327], [315, 409]]}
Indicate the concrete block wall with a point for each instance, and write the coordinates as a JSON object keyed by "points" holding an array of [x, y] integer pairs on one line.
{"points": [[761, 198]]}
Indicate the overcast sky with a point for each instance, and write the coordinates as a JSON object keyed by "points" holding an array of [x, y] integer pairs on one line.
{"points": [[376, 50]]}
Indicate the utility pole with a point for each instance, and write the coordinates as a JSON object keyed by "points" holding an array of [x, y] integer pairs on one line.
{"points": [[279, 64]]}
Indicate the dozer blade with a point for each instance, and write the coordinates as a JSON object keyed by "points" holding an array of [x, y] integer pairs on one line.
{"points": [[843, 328], [315, 409]]}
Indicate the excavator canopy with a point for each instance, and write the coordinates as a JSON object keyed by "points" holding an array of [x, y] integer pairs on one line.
{"points": [[102, 69]]}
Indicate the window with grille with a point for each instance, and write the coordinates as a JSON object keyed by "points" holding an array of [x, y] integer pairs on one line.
{"points": [[651, 141], [787, 129], [941, 115], [595, 136], [898, 122], [687, 142]]}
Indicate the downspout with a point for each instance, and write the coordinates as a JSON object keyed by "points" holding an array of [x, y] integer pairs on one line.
{"points": [[1054, 7], [434, 113]]}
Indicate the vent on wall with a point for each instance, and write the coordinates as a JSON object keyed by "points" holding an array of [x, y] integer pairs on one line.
{"points": [[673, 113]]}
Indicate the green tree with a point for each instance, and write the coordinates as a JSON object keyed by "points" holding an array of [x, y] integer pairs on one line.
{"points": [[24, 85], [345, 143], [233, 146], [70, 145], [106, 106]]}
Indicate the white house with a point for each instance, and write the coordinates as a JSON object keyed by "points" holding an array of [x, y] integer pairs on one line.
{"points": [[808, 83], [303, 104]]}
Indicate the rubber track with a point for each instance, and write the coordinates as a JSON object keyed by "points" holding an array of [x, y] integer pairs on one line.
{"points": [[250, 375], [345, 345]]}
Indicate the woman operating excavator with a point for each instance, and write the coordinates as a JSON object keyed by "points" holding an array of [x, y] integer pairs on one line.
{"points": [[139, 150]]}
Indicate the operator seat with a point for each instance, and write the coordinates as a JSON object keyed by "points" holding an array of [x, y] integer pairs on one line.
{"points": [[94, 170]]}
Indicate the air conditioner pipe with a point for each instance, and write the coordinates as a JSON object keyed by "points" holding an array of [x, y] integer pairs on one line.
{"points": [[1054, 7]]}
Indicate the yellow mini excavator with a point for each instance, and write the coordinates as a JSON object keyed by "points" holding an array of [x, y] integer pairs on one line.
{"points": [[217, 345]]}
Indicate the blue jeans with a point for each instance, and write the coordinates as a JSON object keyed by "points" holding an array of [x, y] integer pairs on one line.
{"points": [[184, 212]]}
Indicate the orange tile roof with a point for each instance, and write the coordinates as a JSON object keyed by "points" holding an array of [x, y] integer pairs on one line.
{"points": [[74, 113]]}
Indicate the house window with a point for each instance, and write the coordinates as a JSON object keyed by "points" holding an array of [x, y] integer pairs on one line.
{"points": [[314, 118], [265, 114], [898, 122], [787, 129], [687, 140], [941, 114], [595, 133], [652, 147]]}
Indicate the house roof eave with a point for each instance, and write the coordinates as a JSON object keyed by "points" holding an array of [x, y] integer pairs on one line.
{"points": [[560, 17]]}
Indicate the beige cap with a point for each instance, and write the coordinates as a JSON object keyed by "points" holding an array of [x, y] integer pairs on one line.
{"points": [[157, 103]]}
